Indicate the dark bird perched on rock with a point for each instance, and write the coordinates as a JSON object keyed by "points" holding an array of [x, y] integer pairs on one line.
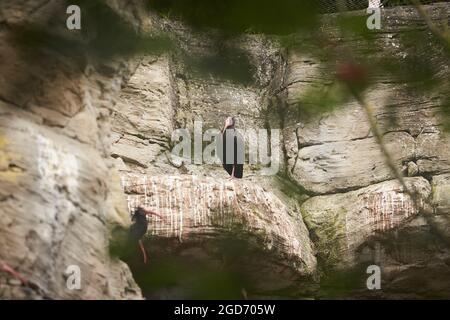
{"points": [[231, 149], [140, 226], [6, 268]]}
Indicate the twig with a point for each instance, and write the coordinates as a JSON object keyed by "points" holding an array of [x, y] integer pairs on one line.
{"points": [[379, 137]]}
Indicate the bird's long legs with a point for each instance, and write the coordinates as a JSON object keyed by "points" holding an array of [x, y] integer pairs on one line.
{"points": [[6, 268], [148, 211], [144, 253]]}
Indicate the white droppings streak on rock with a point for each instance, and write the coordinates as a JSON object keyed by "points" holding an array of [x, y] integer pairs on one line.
{"points": [[56, 166], [129, 203], [122, 183], [57, 169], [181, 202], [192, 209], [145, 190], [388, 208], [169, 206], [191, 201]]}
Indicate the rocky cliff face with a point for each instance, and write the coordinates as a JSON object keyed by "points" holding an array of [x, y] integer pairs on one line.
{"points": [[87, 138], [357, 214], [60, 193]]}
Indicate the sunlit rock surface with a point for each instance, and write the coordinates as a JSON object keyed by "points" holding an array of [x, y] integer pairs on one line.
{"points": [[341, 223]]}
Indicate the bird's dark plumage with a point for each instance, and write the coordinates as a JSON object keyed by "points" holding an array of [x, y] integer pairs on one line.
{"points": [[238, 147], [140, 226]]}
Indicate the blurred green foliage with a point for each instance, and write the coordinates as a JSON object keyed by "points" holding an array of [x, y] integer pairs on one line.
{"points": [[237, 16], [333, 41], [104, 35], [320, 99], [228, 62], [187, 272]]}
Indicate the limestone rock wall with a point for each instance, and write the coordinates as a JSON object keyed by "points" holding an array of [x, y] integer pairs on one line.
{"points": [[60, 195], [84, 133], [342, 222], [200, 204], [357, 214], [200, 211]]}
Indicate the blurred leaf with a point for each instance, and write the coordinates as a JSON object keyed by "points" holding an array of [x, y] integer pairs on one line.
{"points": [[108, 34], [418, 62], [237, 16], [322, 98], [445, 111], [104, 35], [213, 274], [354, 25], [227, 62]]}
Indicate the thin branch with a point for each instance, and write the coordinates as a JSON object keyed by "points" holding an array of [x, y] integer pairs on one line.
{"points": [[379, 137]]}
